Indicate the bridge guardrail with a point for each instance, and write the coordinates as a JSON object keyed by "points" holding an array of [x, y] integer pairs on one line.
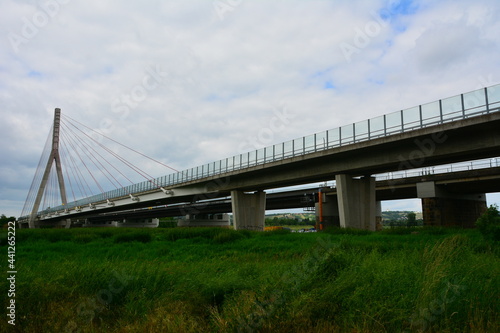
{"points": [[463, 106], [473, 165]]}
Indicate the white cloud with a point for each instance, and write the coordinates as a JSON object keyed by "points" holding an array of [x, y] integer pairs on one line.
{"points": [[448, 46], [224, 79]]}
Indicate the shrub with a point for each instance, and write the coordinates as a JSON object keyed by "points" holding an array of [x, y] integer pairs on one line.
{"points": [[227, 236], [489, 224], [334, 262], [276, 232]]}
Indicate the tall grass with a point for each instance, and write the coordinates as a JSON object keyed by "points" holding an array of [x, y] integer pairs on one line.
{"points": [[220, 280]]}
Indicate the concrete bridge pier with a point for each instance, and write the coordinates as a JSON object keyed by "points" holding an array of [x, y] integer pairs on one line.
{"points": [[331, 214], [378, 216], [249, 210], [356, 201], [442, 208], [327, 211]]}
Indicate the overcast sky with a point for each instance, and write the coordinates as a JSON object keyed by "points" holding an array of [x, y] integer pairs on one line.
{"points": [[190, 82]]}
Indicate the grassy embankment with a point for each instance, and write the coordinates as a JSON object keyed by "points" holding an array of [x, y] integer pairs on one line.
{"points": [[216, 280]]}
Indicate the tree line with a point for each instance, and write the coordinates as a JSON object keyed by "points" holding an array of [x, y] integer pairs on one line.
{"points": [[276, 221], [4, 219]]}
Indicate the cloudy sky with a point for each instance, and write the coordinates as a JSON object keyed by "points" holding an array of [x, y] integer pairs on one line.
{"points": [[193, 81]]}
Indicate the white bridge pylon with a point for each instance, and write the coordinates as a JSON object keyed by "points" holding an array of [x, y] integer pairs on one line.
{"points": [[74, 163], [54, 157]]}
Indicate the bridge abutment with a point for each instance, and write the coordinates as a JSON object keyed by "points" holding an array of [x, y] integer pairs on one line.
{"points": [[249, 210], [356, 202], [445, 209]]}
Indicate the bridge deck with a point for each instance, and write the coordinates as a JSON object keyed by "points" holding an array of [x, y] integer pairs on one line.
{"points": [[455, 129]]}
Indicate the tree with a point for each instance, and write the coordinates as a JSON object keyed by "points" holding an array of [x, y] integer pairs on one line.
{"points": [[488, 224], [411, 219], [4, 219]]}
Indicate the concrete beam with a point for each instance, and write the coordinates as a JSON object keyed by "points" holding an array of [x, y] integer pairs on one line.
{"points": [[356, 201], [249, 210], [459, 141], [152, 198]]}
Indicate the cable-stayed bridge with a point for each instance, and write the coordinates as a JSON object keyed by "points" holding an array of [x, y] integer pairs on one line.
{"points": [[452, 130]]}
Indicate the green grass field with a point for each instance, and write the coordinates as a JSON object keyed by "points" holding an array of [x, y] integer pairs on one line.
{"points": [[220, 280]]}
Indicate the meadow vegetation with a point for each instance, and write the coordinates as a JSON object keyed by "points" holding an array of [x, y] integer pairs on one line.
{"points": [[221, 280]]}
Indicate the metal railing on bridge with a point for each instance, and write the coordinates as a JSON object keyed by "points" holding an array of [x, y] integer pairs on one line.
{"points": [[463, 106], [440, 169]]}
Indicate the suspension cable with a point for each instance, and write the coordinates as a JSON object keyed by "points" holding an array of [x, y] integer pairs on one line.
{"points": [[82, 181], [142, 173], [135, 151], [103, 158], [88, 152]]}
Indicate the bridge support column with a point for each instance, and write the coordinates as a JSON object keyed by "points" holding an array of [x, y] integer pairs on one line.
{"points": [[330, 211], [442, 208], [378, 216], [249, 210], [356, 201]]}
